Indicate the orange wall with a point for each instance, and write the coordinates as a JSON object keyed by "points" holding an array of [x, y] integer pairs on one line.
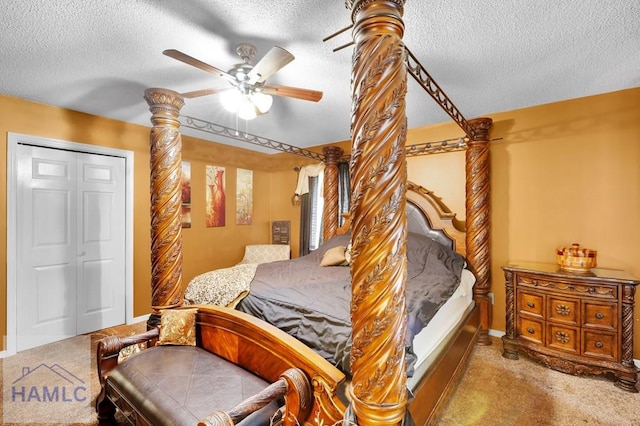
{"points": [[561, 173], [204, 248]]}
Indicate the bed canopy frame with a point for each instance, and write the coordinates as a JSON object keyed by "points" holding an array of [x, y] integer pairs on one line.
{"points": [[378, 217]]}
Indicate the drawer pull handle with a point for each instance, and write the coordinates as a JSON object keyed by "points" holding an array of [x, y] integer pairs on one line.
{"points": [[530, 330], [599, 315], [530, 304], [599, 345], [562, 337], [563, 310]]}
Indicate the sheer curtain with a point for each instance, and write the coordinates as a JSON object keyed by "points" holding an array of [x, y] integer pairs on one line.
{"points": [[311, 193], [344, 191], [316, 207], [310, 190]]}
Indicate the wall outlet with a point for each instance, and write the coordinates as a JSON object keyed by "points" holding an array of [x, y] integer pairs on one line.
{"points": [[492, 299]]}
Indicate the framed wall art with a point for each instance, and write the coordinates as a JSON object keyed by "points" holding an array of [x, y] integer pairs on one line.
{"points": [[215, 196], [244, 197]]}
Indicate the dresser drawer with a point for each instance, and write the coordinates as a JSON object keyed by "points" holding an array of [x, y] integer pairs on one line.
{"points": [[531, 330], [531, 303], [600, 315], [563, 338], [571, 288], [563, 310], [600, 345]]}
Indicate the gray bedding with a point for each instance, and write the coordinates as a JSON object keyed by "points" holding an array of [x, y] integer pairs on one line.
{"points": [[312, 302]]}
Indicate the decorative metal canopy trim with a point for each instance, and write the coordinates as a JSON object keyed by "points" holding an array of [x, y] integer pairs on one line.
{"points": [[425, 148], [220, 130], [420, 74], [447, 145]]}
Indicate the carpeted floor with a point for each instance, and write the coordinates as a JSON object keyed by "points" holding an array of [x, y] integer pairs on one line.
{"points": [[499, 391], [493, 390]]}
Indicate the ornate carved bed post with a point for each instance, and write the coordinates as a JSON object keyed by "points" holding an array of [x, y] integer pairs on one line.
{"points": [[477, 212], [379, 224], [331, 218], [166, 227]]}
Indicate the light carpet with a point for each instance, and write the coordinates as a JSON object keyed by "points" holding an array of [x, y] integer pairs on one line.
{"points": [[500, 391], [492, 391]]}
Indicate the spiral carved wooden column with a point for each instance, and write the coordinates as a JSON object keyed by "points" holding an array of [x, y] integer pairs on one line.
{"points": [[477, 211], [509, 338], [628, 383], [379, 224], [166, 227], [331, 208]]}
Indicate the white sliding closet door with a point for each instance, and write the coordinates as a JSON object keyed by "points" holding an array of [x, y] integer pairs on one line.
{"points": [[70, 261]]}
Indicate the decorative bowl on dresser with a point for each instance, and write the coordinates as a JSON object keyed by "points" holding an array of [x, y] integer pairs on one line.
{"points": [[574, 323]]}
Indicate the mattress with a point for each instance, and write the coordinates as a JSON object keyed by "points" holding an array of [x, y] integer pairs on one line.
{"points": [[445, 320], [312, 302]]}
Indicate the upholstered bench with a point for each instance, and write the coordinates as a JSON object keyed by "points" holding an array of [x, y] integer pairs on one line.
{"points": [[239, 370], [181, 385]]}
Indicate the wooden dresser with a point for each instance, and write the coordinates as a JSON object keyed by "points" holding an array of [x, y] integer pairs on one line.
{"points": [[574, 323]]}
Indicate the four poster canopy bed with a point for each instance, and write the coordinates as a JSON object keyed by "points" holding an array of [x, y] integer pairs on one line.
{"points": [[395, 229]]}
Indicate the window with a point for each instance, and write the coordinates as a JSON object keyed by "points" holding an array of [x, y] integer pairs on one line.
{"points": [[312, 206]]}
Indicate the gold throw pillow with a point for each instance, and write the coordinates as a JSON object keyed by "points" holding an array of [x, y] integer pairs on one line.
{"points": [[334, 257], [178, 327]]}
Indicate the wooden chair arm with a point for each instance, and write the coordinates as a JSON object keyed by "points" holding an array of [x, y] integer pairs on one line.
{"points": [[292, 384], [267, 351], [109, 348]]}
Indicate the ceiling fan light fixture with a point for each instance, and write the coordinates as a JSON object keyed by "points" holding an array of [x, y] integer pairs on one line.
{"points": [[231, 100], [261, 101], [247, 106], [247, 110]]}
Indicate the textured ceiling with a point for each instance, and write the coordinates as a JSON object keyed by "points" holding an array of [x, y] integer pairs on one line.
{"points": [[98, 56]]}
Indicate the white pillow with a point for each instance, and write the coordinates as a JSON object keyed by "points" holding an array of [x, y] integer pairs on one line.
{"points": [[264, 253]]}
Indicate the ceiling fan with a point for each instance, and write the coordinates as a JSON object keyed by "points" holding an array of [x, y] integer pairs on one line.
{"points": [[249, 95]]}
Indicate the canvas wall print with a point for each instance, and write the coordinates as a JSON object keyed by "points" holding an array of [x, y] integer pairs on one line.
{"points": [[244, 197], [215, 196], [185, 184]]}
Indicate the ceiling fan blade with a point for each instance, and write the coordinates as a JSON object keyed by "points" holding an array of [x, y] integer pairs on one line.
{"points": [[203, 92], [182, 57], [292, 92], [275, 59]]}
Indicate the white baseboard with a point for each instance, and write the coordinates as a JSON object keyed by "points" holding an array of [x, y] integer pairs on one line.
{"points": [[496, 333], [141, 318], [3, 354]]}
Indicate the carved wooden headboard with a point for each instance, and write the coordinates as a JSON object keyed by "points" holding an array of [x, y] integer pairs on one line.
{"points": [[428, 215]]}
